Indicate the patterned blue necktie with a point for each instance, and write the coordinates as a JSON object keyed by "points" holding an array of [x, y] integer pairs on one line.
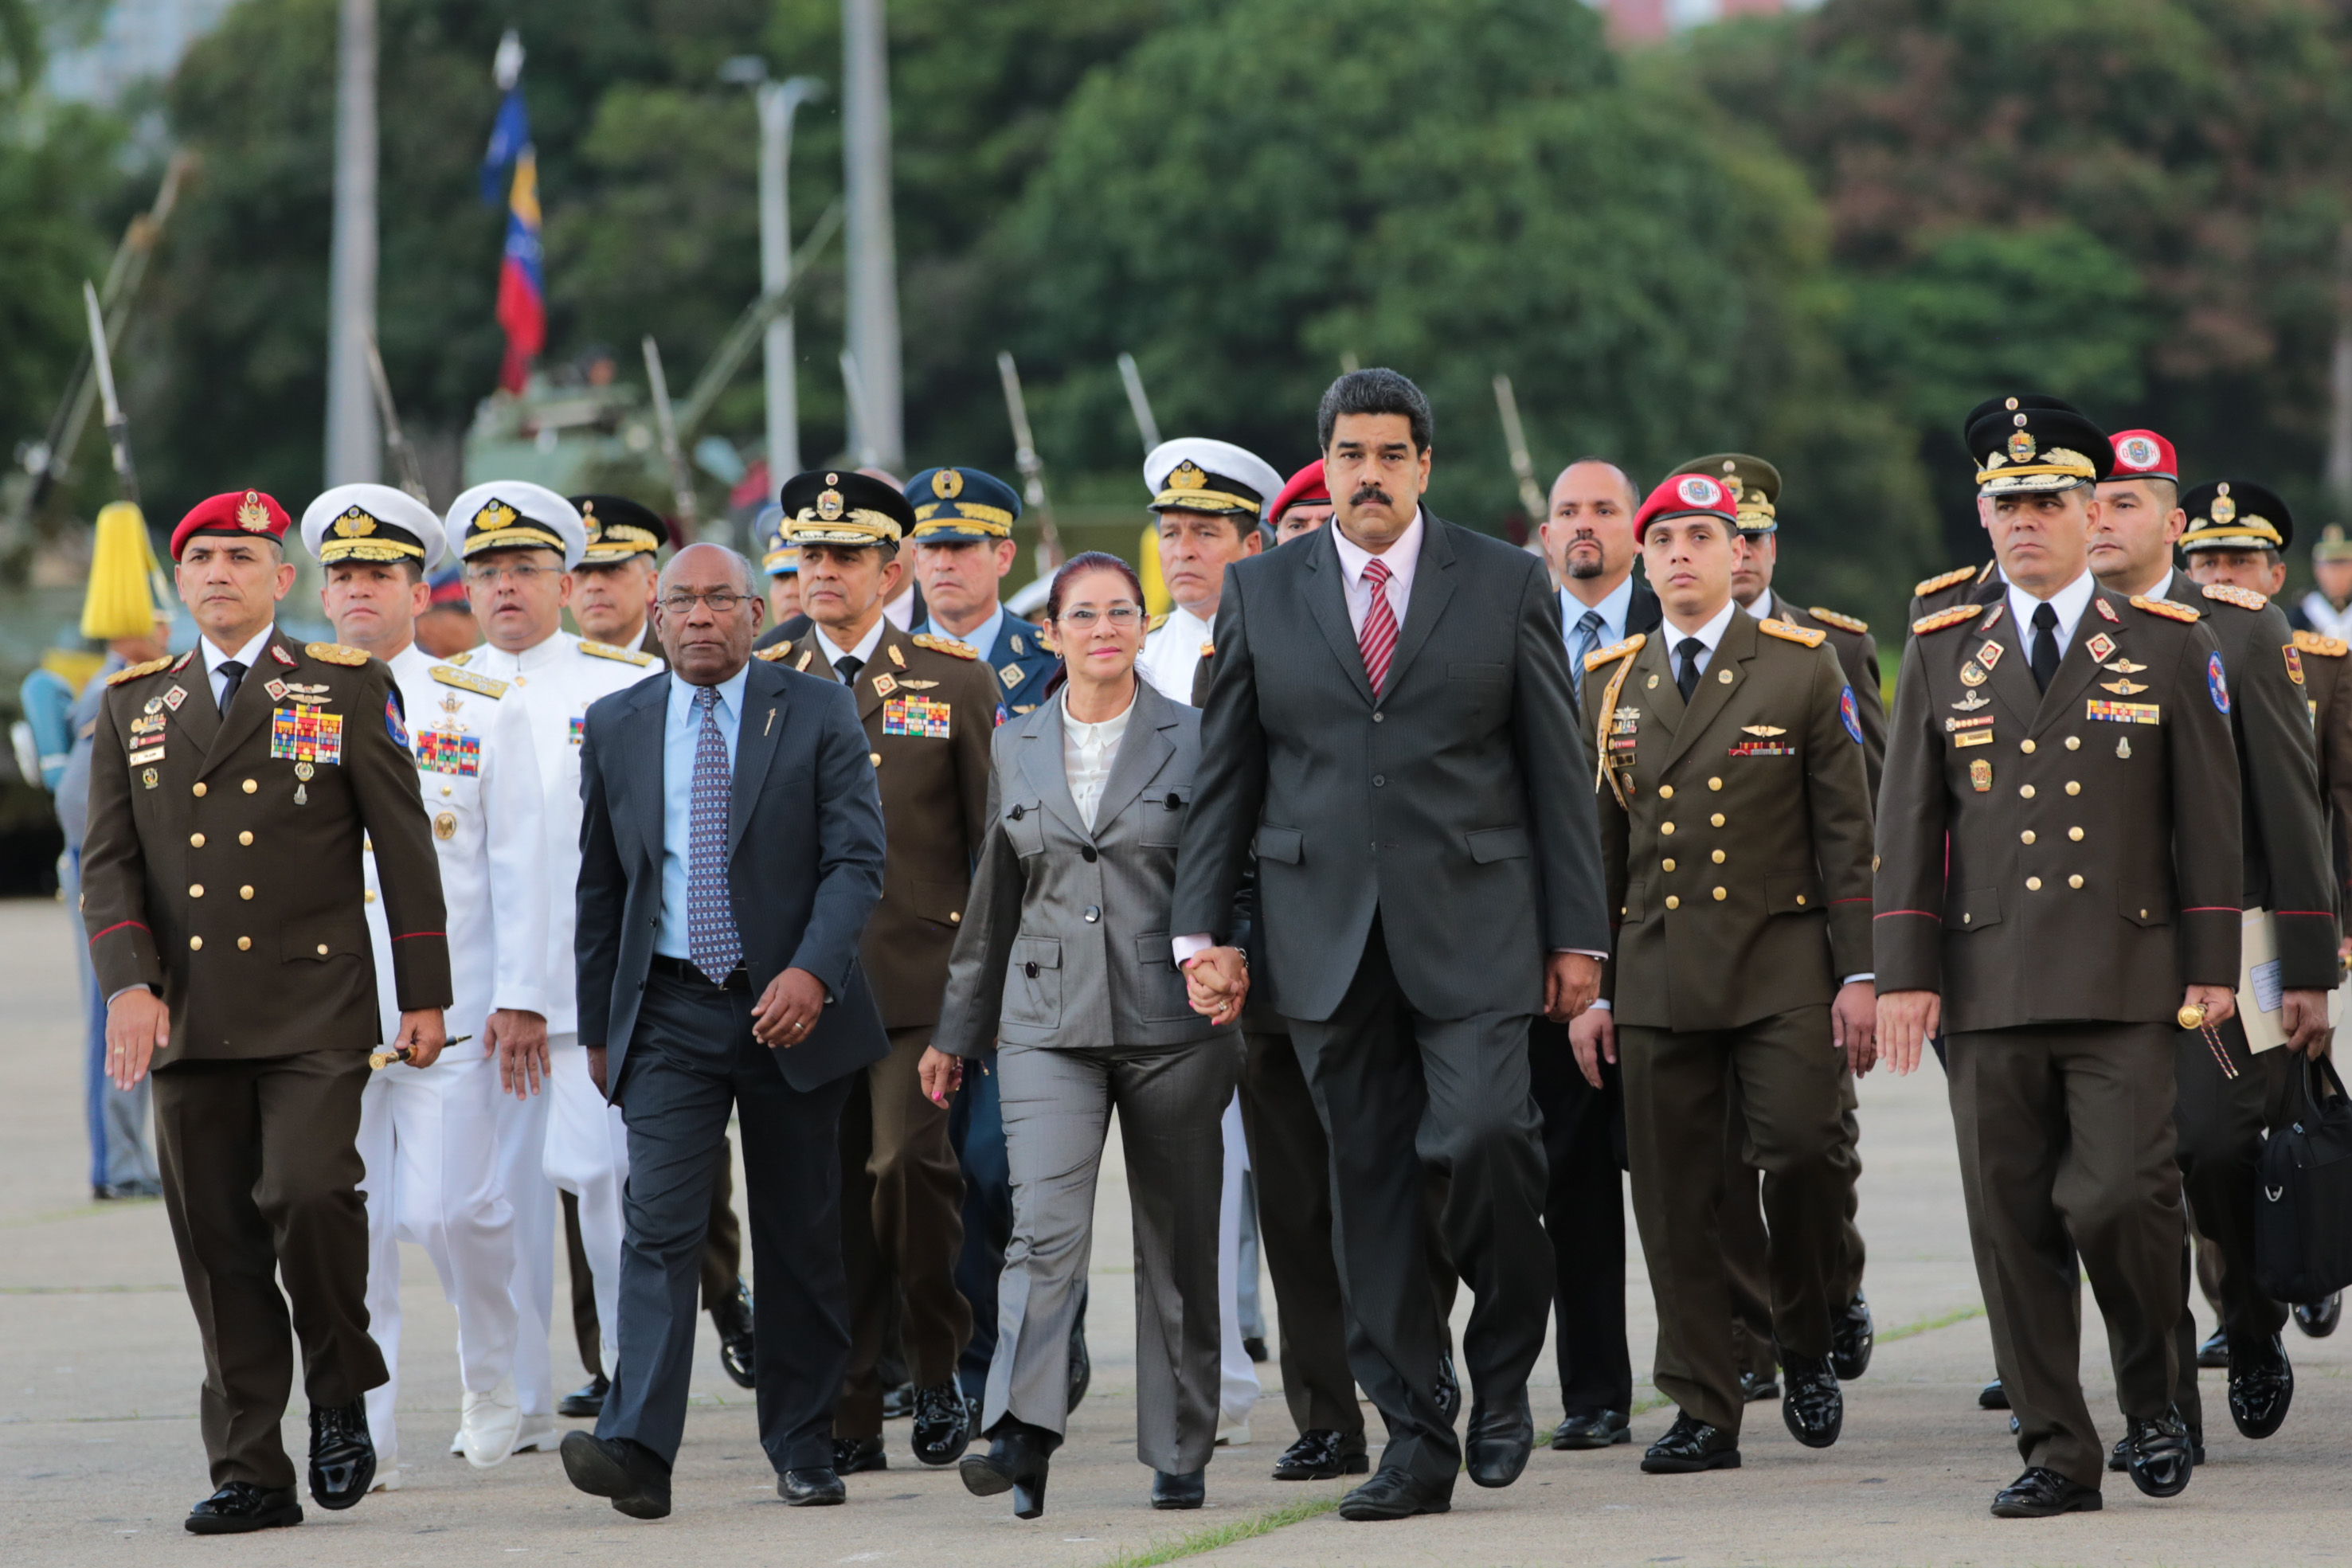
{"points": [[710, 937], [1586, 641]]}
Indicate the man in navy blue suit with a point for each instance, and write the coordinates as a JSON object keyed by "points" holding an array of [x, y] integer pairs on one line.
{"points": [[715, 977]]}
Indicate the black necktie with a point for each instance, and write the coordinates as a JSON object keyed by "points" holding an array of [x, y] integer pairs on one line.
{"points": [[1686, 678], [232, 674], [846, 667], [2045, 646]]}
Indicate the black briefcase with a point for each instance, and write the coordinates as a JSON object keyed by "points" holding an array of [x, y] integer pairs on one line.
{"points": [[2303, 1218]]}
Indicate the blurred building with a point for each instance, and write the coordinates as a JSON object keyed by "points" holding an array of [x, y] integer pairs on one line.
{"points": [[132, 41], [1647, 21]]}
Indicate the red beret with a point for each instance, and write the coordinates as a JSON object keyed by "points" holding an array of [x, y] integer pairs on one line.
{"points": [[233, 512], [1307, 485], [2143, 455], [1685, 495]]}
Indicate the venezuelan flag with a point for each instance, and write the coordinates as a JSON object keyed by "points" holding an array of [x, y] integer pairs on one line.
{"points": [[522, 287]]}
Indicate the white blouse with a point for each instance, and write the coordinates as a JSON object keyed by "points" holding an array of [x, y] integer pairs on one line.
{"points": [[1088, 752]]}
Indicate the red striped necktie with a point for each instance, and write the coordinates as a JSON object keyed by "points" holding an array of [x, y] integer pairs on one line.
{"points": [[1379, 635]]}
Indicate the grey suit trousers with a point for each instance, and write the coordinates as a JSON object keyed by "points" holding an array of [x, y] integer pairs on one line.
{"points": [[1058, 1104]]}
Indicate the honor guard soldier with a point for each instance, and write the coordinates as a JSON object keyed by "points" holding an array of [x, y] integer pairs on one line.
{"points": [[1735, 831], [430, 1139], [963, 547], [519, 543], [230, 794], [2059, 877], [1302, 506], [781, 559], [1755, 486], [1209, 496], [930, 706], [612, 587]]}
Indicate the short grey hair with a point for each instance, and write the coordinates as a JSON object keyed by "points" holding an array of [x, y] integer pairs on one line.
{"points": [[734, 558]]}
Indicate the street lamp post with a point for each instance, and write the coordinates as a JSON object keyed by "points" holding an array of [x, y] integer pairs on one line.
{"points": [[778, 102]]}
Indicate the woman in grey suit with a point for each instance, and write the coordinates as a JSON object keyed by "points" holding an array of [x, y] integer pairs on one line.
{"points": [[1063, 968]]}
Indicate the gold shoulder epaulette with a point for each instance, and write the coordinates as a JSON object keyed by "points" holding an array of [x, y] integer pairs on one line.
{"points": [[947, 646], [1156, 621], [2305, 642], [2166, 608], [150, 666], [1790, 632], [606, 651], [1956, 615], [466, 680], [1842, 622], [1600, 656], [774, 654], [337, 653], [2231, 594], [1952, 578]]}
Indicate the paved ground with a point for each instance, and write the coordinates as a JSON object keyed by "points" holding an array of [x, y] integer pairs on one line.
{"points": [[100, 1454]]}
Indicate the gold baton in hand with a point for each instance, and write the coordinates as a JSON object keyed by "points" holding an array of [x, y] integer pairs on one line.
{"points": [[380, 1060], [2191, 1015]]}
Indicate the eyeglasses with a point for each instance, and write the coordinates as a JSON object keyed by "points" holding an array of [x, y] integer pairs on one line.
{"points": [[521, 576], [722, 601], [1122, 616]]}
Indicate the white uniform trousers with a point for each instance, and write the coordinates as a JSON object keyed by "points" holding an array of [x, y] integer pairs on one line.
{"points": [[1237, 1383], [429, 1142], [588, 1157], [522, 1161]]}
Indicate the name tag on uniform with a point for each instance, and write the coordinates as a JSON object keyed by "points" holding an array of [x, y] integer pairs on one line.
{"points": [[1973, 731], [2122, 713], [925, 717], [152, 754], [306, 734], [438, 751]]}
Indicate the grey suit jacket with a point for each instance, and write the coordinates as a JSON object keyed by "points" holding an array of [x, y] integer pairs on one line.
{"points": [[1456, 807], [1066, 938], [804, 851]]}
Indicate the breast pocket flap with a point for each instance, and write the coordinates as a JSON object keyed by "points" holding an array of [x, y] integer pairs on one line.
{"points": [[1488, 845], [1287, 845], [1973, 910], [1476, 671]]}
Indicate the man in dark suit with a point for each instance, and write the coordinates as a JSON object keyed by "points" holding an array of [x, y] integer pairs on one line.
{"points": [[714, 978], [1389, 727]]}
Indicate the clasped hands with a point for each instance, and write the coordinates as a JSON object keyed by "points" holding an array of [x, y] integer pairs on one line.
{"points": [[1216, 984]]}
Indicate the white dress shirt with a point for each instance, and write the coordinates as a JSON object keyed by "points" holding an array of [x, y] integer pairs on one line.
{"points": [[2069, 601], [1709, 637], [247, 655], [1613, 610], [1088, 752], [1401, 559], [2325, 618], [1171, 655], [863, 653]]}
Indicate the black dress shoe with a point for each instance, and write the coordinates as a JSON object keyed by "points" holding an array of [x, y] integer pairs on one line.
{"points": [[1756, 1385], [813, 1488], [632, 1475], [1993, 1396], [732, 1316], [2318, 1319], [1852, 1337], [2119, 1455], [1172, 1490], [1689, 1447], [942, 1424], [585, 1401], [852, 1456], [1814, 1410], [1319, 1455], [1254, 1348], [1449, 1388], [241, 1507], [2157, 1454], [897, 1402], [1595, 1429], [2262, 1387], [2042, 1493], [1082, 1371], [2214, 1354], [343, 1455], [1016, 1462], [1395, 1494], [1498, 1444]]}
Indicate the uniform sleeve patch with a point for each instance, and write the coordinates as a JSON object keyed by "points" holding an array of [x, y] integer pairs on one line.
{"points": [[392, 720], [2216, 683], [2294, 663], [1850, 711]]}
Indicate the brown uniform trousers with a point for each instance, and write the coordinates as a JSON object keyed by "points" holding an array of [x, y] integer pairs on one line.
{"points": [[2057, 884], [1736, 835], [930, 706], [221, 868]]}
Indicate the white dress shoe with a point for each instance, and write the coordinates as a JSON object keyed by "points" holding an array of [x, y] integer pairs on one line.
{"points": [[492, 1423], [1236, 1436], [387, 1481], [537, 1435]]}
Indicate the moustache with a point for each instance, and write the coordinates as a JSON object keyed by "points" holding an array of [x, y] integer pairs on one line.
{"points": [[1367, 493]]}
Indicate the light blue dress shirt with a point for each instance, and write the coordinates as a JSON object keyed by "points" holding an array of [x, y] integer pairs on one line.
{"points": [[1612, 610], [682, 730]]}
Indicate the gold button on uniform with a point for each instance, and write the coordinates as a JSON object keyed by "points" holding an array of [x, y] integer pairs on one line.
{"points": [[955, 917], [2075, 881], [1721, 894], [2026, 790], [1668, 865], [322, 949], [197, 840], [244, 891], [2075, 834], [368, 895], [2026, 837], [1666, 827], [195, 944], [2033, 884], [2073, 743], [1665, 792], [2073, 788], [245, 838], [1718, 857], [250, 786], [1673, 903], [1717, 819], [444, 789], [243, 943], [195, 890], [1715, 783], [1800, 898], [200, 791], [2026, 747]]}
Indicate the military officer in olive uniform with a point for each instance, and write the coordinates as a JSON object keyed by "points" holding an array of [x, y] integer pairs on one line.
{"points": [[930, 707], [1978, 584], [2059, 876], [1754, 484], [1735, 828], [231, 790]]}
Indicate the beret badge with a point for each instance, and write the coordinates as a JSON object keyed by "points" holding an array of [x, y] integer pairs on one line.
{"points": [[251, 515]]}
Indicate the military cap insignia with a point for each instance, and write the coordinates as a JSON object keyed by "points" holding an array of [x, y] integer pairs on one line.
{"points": [[2166, 608], [2231, 594], [2021, 446], [251, 515], [337, 653], [606, 651], [947, 646], [1842, 622], [2326, 647], [1189, 475], [829, 506], [2224, 510], [466, 680], [1791, 633], [1959, 615], [947, 483], [138, 671], [780, 652], [1600, 656], [494, 516], [354, 524]]}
